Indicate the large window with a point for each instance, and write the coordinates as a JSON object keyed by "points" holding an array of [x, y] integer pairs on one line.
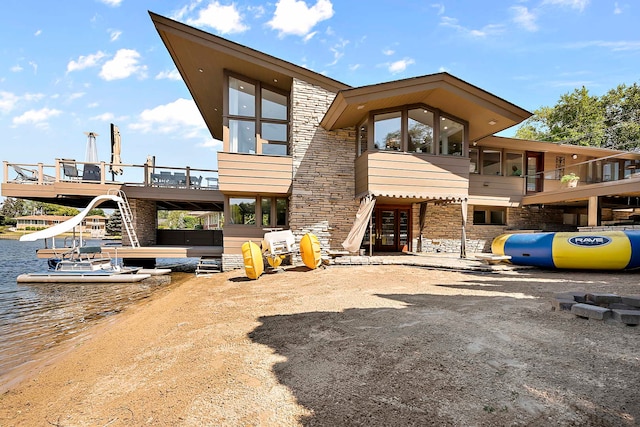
{"points": [[420, 129], [491, 161], [243, 210], [258, 119], [412, 129], [514, 164], [273, 211], [387, 131], [451, 140]]}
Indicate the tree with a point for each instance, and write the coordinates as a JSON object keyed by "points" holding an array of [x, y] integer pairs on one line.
{"points": [[611, 121], [12, 208], [113, 227]]}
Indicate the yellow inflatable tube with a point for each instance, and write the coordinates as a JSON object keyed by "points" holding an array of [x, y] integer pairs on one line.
{"points": [[253, 263], [310, 251]]}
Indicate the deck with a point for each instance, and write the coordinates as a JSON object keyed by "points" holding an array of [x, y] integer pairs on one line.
{"points": [[145, 252]]}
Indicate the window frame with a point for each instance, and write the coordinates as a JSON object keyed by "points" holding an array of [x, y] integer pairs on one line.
{"points": [[257, 119], [488, 217], [404, 131], [259, 217]]}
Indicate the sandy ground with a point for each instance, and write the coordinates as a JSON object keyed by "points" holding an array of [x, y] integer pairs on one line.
{"points": [[343, 346]]}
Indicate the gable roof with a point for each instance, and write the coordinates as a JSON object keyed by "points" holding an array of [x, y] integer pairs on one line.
{"points": [[485, 113]]}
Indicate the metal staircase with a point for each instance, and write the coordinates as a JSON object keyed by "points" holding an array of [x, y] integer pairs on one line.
{"points": [[208, 265], [127, 218]]}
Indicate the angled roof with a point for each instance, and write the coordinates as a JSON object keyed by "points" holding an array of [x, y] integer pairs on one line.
{"points": [[485, 113], [201, 58]]}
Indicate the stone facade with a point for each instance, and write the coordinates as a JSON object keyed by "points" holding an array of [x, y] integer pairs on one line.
{"points": [[323, 189], [145, 222], [442, 231]]}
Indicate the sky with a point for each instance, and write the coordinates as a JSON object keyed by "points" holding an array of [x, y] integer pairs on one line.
{"points": [[74, 66]]}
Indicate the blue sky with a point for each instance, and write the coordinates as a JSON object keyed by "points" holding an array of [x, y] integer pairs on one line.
{"points": [[67, 67]]}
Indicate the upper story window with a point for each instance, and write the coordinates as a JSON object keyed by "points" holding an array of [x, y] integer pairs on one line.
{"points": [[257, 118], [412, 130]]}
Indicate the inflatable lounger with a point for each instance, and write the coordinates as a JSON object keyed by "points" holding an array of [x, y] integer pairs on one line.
{"points": [[598, 250]]}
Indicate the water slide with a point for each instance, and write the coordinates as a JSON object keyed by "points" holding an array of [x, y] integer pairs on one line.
{"points": [[69, 224]]}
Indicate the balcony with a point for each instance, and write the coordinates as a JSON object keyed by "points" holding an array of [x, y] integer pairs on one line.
{"points": [[412, 175], [254, 173]]}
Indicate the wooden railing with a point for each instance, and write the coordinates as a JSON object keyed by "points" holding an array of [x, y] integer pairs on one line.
{"points": [[66, 170]]}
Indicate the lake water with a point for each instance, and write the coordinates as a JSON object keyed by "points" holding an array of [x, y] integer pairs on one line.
{"points": [[36, 317]]}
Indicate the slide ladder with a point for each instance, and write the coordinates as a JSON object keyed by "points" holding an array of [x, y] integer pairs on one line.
{"points": [[127, 219]]}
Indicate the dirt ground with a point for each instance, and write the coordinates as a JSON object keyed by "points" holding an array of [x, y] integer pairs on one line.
{"points": [[345, 346]]}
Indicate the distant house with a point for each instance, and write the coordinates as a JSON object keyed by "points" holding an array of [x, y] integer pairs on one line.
{"points": [[94, 225]]}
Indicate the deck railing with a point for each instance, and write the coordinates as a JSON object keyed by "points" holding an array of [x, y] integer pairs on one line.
{"points": [[66, 170]]}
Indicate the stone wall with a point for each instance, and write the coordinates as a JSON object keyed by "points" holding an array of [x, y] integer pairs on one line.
{"points": [[145, 222], [323, 189], [442, 232]]}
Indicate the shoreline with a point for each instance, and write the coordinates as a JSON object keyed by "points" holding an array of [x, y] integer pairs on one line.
{"points": [[375, 345]]}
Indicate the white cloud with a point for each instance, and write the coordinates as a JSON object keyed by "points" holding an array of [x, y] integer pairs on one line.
{"points": [[181, 115], [17, 68], [617, 10], [112, 3], [76, 95], [399, 66], [614, 46], [439, 7], [525, 18], [224, 19], [37, 117], [114, 35], [309, 36], [487, 30], [37, 33], [338, 51], [212, 144], [169, 75], [104, 117], [573, 4], [124, 64], [388, 52], [258, 11], [34, 66], [8, 101], [294, 17], [85, 61]]}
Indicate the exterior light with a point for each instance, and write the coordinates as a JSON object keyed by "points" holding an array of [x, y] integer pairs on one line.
{"points": [[574, 156], [492, 122], [201, 70], [360, 107]]}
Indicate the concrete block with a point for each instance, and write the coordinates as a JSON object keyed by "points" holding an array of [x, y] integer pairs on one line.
{"points": [[562, 304], [591, 311], [628, 317], [632, 300], [603, 298], [577, 296], [621, 306]]}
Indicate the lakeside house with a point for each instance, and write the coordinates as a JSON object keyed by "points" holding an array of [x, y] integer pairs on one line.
{"points": [[92, 225], [302, 150]]}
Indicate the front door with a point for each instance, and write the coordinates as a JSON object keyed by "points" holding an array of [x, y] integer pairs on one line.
{"points": [[534, 171], [392, 228]]}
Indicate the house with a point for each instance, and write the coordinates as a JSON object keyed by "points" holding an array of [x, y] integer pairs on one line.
{"points": [[300, 150], [93, 225]]}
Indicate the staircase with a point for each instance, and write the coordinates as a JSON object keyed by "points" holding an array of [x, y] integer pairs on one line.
{"points": [[127, 219], [208, 265]]}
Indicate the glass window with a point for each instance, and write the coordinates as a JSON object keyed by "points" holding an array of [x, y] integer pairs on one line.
{"points": [[243, 210], [242, 98], [387, 131], [490, 216], [420, 129], [514, 164], [451, 137], [265, 204], [473, 157], [281, 211], [491, 162], [274, 105], [276, 136], [242, 136]]}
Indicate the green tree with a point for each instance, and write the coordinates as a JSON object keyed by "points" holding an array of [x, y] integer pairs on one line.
{"points": [[113, 227], [12, 208], [611, 121]]}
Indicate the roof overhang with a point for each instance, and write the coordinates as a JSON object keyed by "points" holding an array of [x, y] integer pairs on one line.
{"points": [[556, 148], [202, 59], [486, 113]]}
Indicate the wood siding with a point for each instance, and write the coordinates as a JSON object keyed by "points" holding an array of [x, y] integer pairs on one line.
{"points": [[494, 190], [236, 235], [254, 174], [412, 175]]}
